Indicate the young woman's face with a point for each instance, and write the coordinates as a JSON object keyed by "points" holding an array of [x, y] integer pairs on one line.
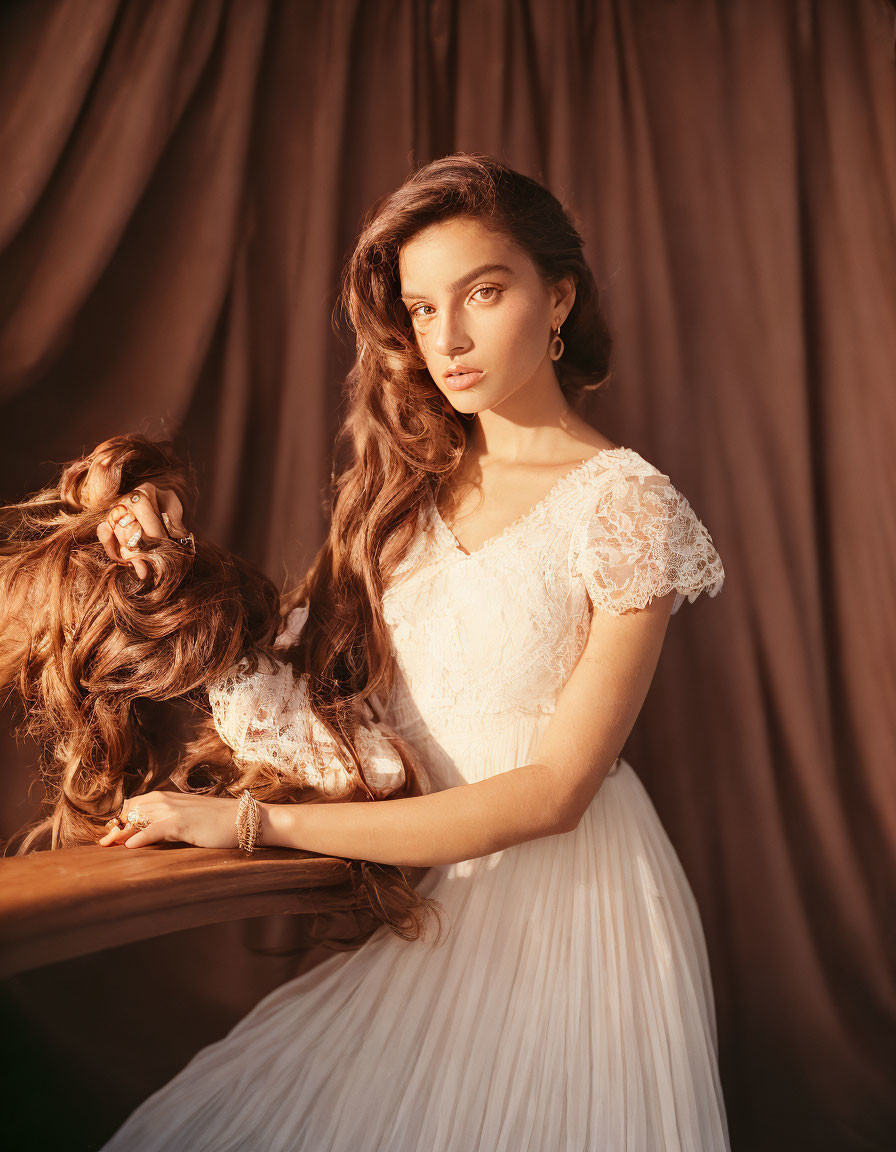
{"points": [[476, 300]]}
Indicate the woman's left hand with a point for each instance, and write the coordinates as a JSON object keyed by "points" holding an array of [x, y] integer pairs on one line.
{"points": [[206, 821]]}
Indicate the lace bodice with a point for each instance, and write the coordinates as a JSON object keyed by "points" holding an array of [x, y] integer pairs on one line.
{"points": [[481, 638], [496, 633]]}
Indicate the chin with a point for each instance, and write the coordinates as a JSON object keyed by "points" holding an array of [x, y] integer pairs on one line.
{"points": [[470, 408], [463, 401]]}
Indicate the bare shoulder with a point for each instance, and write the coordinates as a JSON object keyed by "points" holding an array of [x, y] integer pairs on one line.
{"points": [[584, 436]]}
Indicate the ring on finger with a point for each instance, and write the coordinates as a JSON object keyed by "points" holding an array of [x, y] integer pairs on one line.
{"points": [[134, 540]]}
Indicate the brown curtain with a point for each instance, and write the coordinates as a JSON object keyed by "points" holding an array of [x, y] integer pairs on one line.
{"points": [[182, 182]]}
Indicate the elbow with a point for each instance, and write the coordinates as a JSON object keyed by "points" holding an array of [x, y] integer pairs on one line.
{"points": [[569, 821], [565, 817], [576, 802], [559, 808]]}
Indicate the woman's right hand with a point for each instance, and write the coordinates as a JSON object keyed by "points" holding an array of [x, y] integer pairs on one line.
{"points": [[146, 512]]}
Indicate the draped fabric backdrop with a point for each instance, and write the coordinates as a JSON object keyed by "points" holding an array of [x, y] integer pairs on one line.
{"points": [[181, 185]]}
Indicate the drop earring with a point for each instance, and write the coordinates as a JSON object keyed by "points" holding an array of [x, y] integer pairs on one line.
{"points": [[554, 351]]}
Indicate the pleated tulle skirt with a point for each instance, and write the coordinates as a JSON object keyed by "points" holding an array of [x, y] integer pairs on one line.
{"points": [[567, 1008]]}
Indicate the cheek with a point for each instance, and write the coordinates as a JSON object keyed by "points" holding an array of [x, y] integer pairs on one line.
{"points": [[524, 319], [522, 334]]}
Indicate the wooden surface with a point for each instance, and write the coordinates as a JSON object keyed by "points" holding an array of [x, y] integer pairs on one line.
{"points": [[55, 905]]}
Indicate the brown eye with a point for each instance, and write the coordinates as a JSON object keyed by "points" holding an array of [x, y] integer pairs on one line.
{"points": [[489, 288]]}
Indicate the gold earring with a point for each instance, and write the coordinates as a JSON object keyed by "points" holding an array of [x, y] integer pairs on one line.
{"points": [[553, 351]]}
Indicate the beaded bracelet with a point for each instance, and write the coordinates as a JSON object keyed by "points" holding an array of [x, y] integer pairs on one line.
{"points": [[248, 822]]}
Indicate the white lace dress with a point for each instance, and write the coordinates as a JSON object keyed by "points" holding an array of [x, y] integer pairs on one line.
{"points": [[569, 1006]]}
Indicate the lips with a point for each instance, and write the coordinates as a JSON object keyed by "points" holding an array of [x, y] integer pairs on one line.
{"points": [[461, 376]]}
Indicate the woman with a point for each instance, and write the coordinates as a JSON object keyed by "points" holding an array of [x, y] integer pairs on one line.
{"points": [[501, 575]]}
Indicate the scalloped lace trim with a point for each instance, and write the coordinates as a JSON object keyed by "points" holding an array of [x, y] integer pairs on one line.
{"points": [[640, 541]]}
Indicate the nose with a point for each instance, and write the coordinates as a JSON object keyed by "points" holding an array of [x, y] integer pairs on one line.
{"points": [[450, 337]]}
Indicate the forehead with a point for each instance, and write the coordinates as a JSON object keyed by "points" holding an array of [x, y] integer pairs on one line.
{"points": [[441, 253]]}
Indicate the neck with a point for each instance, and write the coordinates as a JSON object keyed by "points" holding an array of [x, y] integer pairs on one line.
{"points": [[529, 426]]}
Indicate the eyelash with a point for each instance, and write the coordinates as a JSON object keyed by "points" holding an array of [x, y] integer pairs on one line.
{"points": [[484, 288]]}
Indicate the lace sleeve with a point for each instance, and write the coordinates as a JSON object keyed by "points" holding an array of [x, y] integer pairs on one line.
{"points": [[641, 540], [265, 717]]}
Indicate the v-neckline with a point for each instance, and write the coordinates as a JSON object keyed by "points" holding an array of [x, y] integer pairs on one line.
{"points": [[497, 537]]}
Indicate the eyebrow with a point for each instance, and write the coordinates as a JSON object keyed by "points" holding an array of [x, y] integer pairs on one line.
{"points": [[464, 280]]}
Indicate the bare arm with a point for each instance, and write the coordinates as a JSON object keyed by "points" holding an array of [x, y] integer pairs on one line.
{"points": [[595, 713]]}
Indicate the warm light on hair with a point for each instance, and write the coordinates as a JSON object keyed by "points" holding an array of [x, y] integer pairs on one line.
{"points": [[113, 671]]}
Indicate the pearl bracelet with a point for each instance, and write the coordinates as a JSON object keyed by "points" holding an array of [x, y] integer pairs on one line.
{"points": [[248, 822]]}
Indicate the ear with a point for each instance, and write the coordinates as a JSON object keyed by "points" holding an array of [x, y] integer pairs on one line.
{"points": [[564, 294]]}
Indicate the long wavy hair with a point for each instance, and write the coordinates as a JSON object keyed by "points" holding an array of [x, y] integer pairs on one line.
{"points": [[113, 670], [400, 443], [401, 440]]}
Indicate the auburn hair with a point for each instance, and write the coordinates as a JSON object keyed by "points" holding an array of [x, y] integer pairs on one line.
{"points": [[112, 670], [400, 440]]}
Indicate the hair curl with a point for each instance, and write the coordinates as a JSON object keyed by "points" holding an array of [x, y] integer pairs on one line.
{"points": [[113, 670]]}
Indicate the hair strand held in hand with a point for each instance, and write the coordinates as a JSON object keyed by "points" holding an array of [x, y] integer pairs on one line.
{"points": [[112, 671]]}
